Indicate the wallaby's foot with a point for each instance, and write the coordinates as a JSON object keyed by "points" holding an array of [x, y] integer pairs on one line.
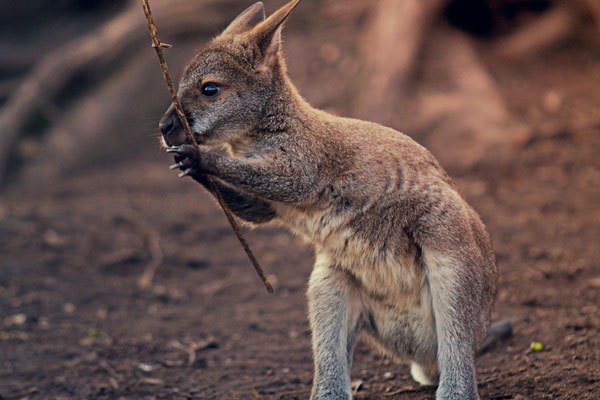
{"points": [[331, 395], [188, 158], [426, 376]]}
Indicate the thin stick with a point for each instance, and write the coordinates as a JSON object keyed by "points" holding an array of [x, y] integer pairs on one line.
{"points": [[158, 46]]}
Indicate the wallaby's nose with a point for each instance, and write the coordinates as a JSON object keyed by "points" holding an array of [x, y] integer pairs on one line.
{"points": [[167, 124]]}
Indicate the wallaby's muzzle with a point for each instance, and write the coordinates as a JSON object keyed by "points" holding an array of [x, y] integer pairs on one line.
{"points": [[171, 128]]}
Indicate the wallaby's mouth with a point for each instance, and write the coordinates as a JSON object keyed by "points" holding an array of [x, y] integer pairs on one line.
{"points": [[180, 137], [172, 129]]}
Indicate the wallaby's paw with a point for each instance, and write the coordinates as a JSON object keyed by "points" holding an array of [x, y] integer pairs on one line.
{"points": [[188, 158], [185, 150]]}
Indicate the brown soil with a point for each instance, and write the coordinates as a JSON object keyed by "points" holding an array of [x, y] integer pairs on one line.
{"points": [[75, 324]]}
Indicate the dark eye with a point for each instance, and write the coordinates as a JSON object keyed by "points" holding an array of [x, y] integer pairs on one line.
{"points": [[210, 89]]}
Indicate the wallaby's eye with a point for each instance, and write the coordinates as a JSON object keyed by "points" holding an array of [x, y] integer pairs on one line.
{"points": [[210, 89]]}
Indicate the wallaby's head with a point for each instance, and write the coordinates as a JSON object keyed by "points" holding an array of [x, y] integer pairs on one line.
{"points": [[225, 89]]}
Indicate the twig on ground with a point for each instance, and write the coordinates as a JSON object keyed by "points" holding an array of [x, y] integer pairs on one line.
{"points": [[111, 371], [190, 350], [252, 388], [158, 46], [152, 241], [406, 389], [193, 347]]}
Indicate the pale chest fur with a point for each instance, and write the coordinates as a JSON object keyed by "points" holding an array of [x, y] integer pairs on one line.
{"points": [[391, 277]]}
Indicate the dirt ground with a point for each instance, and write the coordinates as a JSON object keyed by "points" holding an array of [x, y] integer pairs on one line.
{"points": [[74, 323]]}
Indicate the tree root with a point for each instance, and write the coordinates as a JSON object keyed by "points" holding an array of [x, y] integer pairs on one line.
{"points": [[548, 30]]}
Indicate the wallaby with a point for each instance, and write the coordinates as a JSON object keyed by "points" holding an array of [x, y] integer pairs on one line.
{"points": [[401, 258]]}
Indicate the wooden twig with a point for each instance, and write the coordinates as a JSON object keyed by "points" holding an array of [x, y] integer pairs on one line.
{"points": [[158, 46], [152, 242], [194, 347]]}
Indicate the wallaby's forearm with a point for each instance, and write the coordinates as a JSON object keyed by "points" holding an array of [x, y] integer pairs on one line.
{"points": [[246, 207], [269, 180]]}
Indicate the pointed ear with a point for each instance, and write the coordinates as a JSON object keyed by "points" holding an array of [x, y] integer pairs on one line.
{"points": [[270, 54], [267, 34], [247, 20]]}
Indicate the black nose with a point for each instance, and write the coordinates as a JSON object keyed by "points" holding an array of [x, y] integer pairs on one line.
{"points": [[167, 124]]}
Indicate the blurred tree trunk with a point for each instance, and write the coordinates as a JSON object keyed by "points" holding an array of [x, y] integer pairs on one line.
{"points": [[85, 87], [390, 48], [58, 77]]}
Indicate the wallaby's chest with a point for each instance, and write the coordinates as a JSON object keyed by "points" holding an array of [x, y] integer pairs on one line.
{"points": [[313, 225], [389, 270]]}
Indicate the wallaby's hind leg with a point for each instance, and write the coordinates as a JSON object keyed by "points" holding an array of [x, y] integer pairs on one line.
{"points": [[334, 318], [457, 311]]}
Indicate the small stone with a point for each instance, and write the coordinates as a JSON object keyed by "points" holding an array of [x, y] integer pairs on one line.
{"points": [[594, 282], [16, 320], [101, 313], [147, 367], [44, 323], [69, 308], [552, 101], [53, 239], [388, 375], [152, 381], [159, 290]]}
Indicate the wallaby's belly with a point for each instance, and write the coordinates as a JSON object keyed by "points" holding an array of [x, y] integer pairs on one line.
{"points": [[385, 266], [397, 301], [405, 330], [389, 279]]}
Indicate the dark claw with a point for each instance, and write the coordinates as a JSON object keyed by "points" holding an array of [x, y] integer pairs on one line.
{"points": [[186, 159], [186, 150]]}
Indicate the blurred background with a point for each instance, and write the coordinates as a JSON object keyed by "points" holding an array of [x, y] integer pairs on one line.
{"points": [[119, 280]]}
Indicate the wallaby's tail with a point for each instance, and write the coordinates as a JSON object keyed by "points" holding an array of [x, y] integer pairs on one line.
{"points": [[497, 331]]}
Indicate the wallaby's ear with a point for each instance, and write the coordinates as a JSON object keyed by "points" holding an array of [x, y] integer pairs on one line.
{"points": [[247, 20], [267, 34]]}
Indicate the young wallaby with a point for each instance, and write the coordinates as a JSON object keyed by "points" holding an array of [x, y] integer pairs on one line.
{"points": [[401, 258]]}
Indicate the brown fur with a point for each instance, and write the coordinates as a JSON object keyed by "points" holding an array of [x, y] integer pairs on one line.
{"points": [[401, 257]]}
